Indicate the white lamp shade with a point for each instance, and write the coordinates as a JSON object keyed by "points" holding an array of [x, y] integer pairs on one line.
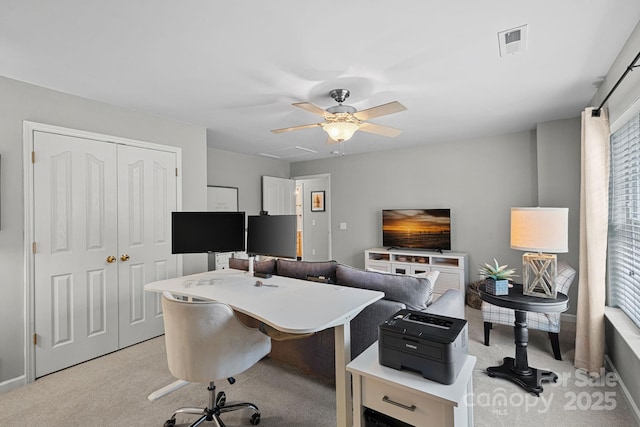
{"points": [[340, 131], [540, 229]]}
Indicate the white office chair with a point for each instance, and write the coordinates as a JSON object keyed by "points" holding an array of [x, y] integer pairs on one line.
{"points": [[548, 322], [206, 342]]}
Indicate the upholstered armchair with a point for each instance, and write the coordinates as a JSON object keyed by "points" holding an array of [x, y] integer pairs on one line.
{"points": [[548, 322]]}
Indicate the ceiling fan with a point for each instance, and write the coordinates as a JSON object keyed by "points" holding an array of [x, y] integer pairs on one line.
{"points": [[342, 121]]}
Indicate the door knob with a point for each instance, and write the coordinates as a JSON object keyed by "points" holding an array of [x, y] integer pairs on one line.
{"points": [[124, 257], [111, 259]]}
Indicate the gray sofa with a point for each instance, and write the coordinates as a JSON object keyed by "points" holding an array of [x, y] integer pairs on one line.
{"points": [[315, 354]]}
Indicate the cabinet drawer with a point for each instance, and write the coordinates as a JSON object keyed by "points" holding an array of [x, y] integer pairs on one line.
{"points": [[400, 268], [380, 266], [420, 268], [378, 396]]}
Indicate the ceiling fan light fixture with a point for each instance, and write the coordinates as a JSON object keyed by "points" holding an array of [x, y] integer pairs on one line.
{"points": [[342, 121], [340, 131]]}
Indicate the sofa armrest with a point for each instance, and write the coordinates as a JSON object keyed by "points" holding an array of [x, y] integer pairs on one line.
{"points": [[451, 304], [364, 327]]}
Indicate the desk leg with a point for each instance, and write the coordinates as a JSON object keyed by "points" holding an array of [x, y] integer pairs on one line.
{"points": [[176, 385], [344, 405], [469, 404], [518, 369]]}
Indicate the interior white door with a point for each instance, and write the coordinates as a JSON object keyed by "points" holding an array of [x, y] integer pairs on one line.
{"points": [[278, 195], [75, 228], [146, 198]]}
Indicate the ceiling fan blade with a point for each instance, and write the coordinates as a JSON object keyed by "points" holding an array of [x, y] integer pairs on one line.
{"points": [[312, 108], [331, 141], [379, 129], [312, 125], [380, 110]]}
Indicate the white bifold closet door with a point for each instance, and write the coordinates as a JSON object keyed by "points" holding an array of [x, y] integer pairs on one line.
{"points": [[102, 226]]}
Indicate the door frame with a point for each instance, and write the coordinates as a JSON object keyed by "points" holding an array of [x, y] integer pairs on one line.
{"points": [[328, 205], [28, 129]]}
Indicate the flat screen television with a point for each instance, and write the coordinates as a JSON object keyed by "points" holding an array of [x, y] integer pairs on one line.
{"points": [[272, 235], [428, 229], [200, 232]]}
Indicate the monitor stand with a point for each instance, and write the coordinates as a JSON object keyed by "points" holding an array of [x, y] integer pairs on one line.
{"points": [[251, 258]]}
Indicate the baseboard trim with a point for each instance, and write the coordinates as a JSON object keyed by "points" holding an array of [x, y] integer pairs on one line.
{"points": [[12, 384], [625, 392]]}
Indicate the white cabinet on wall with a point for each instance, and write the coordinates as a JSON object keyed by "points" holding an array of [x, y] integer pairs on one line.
{"points": [[451, 265]]}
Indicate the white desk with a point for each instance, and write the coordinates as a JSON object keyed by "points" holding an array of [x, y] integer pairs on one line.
{"points": [[294, 306]]}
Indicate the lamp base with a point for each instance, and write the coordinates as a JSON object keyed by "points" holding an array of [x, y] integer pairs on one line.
{"points": [[539, 275]]}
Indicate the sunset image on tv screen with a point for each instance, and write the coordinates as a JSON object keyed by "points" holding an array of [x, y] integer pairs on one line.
{"points": [[417, 228]]}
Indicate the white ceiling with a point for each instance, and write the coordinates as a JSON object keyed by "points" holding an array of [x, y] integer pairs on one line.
{"points": [[235, 67]]}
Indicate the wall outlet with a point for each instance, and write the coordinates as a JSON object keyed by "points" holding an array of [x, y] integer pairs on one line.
{"points": [[343, 226], [313, 251]]}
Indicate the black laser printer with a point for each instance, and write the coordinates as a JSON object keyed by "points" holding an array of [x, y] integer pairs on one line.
{"points": [[433, 345]]}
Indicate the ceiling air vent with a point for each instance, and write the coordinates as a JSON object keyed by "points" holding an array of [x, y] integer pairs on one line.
{"points": [[513, 41]]}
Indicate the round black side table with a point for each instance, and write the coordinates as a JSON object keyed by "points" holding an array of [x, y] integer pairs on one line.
{"points": [[518, 369]]}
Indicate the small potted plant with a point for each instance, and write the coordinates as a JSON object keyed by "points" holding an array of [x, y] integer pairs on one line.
{"points": [[496, 277]]}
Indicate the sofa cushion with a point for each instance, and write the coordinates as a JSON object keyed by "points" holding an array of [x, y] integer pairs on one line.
{"points": [[431, 275], [302, 269], [239, 264], [268, 266], [415, 292]]}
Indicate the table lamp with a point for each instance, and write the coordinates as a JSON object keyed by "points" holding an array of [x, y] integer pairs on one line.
{"points": [[538, 230]]}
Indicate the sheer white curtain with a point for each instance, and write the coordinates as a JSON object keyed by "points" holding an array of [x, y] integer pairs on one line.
{"points": [[594, 199]]}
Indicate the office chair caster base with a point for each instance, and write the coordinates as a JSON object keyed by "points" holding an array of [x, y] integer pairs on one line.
{"points": [[170, 423], [255, 419], [221, 399]]}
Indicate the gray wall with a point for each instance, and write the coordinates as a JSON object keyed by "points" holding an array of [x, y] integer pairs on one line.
{"points": [[20, 101], [558, 153], [480, 180], [245, 172]]}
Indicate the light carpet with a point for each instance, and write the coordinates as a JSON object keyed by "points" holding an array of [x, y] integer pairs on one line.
{"points": [[112, 390]]}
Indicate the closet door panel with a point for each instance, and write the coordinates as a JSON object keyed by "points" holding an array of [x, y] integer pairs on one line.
{"points": [[75, 231], [146, 198]]}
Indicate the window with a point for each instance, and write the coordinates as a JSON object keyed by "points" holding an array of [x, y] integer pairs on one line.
{"points": [[624, 220]]}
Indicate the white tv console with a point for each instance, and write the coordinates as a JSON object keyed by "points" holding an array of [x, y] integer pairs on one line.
{"points": [[451, 265]]}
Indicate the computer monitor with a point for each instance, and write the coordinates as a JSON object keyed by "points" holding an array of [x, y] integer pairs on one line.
{"points": [[272, 235], [201, 232]]}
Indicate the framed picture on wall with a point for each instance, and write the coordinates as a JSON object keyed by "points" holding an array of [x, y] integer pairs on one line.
{"points": [[222, 198], [317, 201]]}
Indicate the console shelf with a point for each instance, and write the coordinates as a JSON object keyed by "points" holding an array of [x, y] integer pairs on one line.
{"points": [[451, 265]]}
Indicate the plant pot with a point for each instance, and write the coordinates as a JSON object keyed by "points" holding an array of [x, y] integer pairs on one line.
{"points": [[497, 287]]}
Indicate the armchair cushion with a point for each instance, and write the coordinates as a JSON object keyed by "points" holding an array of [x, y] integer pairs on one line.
{"points": [[565, 275]]}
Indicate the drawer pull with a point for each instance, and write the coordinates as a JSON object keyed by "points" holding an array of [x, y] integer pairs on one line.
{"points": [[408, 408]]}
